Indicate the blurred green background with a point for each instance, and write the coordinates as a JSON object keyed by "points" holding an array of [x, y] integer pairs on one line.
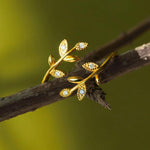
{"points": [[30, 30]]}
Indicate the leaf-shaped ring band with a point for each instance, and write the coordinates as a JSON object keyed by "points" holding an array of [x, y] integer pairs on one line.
{"points": [[81, 86], [63, 52]]}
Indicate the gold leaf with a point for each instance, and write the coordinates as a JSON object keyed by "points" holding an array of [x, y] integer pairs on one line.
{"points": [[63, 47], [57, 73], [65, 92], [70, 58], [81, 91], [81, 46], [97, 80], [51, 60], [75, 79], [90, 66]]}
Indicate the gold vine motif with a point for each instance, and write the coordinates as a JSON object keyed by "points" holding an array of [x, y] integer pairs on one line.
{"points": [[81, 86], [64, 56]]}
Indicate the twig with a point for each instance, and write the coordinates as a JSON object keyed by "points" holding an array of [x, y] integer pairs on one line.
{"points": [[122, 40], [47, 93], [44, 94]]}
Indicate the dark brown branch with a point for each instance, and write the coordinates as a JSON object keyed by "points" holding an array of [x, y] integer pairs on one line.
{"points": [[127, 62], [44, 94], [122, 40], [41, 95]]}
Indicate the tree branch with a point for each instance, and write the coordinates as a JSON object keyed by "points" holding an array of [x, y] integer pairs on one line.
{"points": [[122, 40], [47, 93]]}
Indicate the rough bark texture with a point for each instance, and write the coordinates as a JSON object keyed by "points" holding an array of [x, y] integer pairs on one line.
{"points": [[47, 93]]}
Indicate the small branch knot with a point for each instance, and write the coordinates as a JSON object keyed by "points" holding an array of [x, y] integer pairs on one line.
{"points": [[96, 94]]}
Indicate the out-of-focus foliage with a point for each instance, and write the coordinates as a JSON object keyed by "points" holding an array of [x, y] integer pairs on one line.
{"points": [[30, 30]]}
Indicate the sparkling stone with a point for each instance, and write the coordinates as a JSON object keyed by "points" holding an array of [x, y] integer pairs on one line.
{"points": [[57, 73], [63, 47], [91, 66], [81, 45], [65, 92], [82, 91]]}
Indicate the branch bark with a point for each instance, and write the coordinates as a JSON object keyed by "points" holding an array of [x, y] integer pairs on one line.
{"points": [[122, 40], [47, 93]]}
